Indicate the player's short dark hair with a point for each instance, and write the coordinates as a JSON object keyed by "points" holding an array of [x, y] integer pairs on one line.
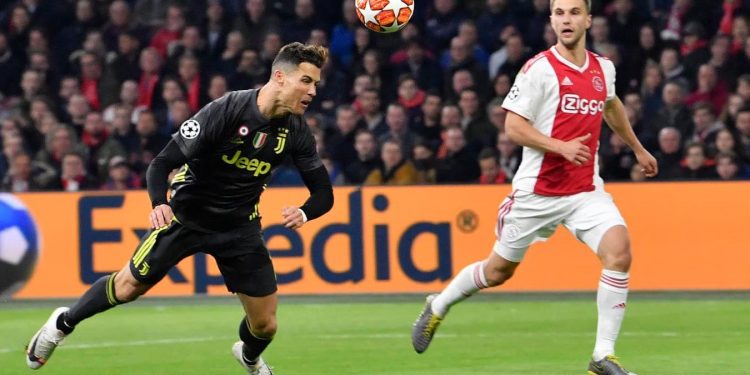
{"points": [[297, 53], [585, 2]]}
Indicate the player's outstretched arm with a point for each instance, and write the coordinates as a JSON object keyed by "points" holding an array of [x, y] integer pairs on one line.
{"points": [[156, 182], [320, 201], [617, 120], [521, 132]]}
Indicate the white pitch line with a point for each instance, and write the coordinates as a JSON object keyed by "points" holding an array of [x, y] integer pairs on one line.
{"points": [[115, 344], [386, 336]]}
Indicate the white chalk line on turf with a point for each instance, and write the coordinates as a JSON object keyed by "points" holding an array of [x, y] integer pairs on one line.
{"points": [[344, 336], [115, 344]]}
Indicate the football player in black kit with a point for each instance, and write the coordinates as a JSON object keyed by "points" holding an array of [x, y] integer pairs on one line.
{"points": [[226, 154]]}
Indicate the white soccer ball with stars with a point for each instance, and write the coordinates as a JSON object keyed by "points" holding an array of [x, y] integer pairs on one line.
{"points": [[384, 16], [19, 245]]}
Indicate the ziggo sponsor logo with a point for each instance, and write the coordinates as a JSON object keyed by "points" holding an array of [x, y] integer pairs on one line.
{"points": [[572, 103]]}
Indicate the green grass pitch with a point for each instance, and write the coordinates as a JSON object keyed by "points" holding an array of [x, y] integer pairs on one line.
{"points": [[493, 334]]}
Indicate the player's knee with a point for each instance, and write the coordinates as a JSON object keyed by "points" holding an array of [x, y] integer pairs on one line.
{"points": [[264, 327], [617, 259], [128, 289]]}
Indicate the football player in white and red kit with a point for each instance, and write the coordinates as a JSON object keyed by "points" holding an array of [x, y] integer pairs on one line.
{"points": [[555, 110]]}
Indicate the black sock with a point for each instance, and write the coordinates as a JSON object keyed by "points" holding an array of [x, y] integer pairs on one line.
{"points": [[100, 297], [253, 345]]}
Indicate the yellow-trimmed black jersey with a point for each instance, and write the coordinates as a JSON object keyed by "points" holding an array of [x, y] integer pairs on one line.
{"points": [[232, 151]]}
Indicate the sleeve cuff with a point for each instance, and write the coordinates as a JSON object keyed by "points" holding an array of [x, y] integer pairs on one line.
{"points": [[304, 217]]}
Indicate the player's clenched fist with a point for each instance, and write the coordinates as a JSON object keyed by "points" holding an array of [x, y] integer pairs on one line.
{"points": [[160, 216], [575, 151]]}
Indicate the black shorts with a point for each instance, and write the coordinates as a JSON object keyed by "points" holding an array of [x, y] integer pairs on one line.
{"points": [[240, 253]]}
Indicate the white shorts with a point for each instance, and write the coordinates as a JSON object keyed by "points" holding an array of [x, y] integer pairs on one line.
{"points": [[524, 218]]}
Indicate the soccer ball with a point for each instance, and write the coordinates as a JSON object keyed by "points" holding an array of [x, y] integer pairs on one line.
{"points": [[19, 245], [384, 16]]}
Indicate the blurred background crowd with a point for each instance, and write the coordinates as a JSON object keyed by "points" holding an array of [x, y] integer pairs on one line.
{"points": [[91, 90]]}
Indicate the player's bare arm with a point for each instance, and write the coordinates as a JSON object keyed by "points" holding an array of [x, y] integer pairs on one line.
{"points": [[616, 118], [523, 133]]}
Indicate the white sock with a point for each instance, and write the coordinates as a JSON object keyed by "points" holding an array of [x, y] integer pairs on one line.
{"points": [[469, 281], [610, 300]]}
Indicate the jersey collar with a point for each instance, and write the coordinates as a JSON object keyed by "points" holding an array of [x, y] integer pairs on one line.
{"points": [[569, 64]]}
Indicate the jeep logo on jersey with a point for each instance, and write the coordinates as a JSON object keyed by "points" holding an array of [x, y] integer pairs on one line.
{"points": [[259, 167], [572, 103], [190, 129], [260, 139]]}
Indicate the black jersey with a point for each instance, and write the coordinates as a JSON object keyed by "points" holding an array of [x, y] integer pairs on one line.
{"points": [[232, 151]]}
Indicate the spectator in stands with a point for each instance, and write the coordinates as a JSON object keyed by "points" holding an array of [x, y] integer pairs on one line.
{"points": [[673, 114], [706, 125], [651, 89], [395, 169], [669, 155], [119, 23], [726, 142], [367, 157], [98, 92], [101, 148], [425, 162], [721, 59], [422, 67], [217, 87], [369, 102], [397, 121], [509, 155], [124, 65], [24, 176], [442, 23], [477, 129], [298, 27], [341, 143], [410, 96], [191, 44], [151, 12], [729, 167], [120, 176], [461, 58], [151, 140], [190, 78], [73, 176], [214, 30], [459, 164], [515, 55], [461, 79], [709, 89], [491, 173], [498, 14], [58, 142], [672, 68], [617, 161], [427, 123], [696, 166], [170, 32], [501, 85], [123, 132]]}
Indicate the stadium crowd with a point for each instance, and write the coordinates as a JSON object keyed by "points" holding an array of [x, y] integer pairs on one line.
{"points": [[91, 90]]}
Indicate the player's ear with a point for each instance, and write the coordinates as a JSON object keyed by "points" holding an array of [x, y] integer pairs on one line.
{"points": [[588, 21], [278, 77]]}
